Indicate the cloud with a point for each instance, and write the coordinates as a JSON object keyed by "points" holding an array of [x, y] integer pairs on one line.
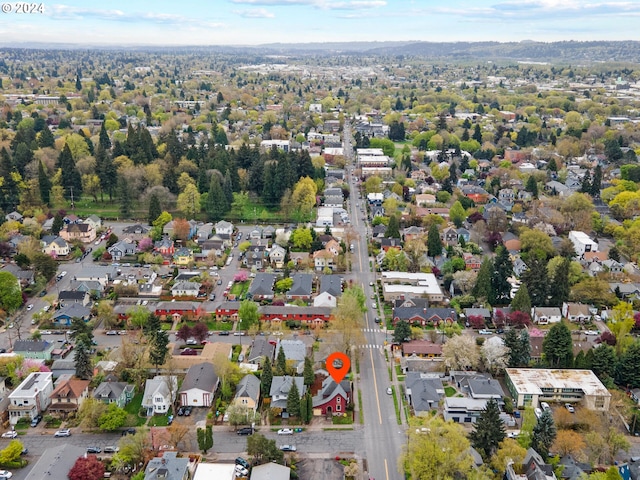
{"points": [[320, 4], [254, 13]]}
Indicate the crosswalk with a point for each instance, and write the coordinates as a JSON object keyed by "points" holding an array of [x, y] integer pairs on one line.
{"points": [[372, 330], [369, 346]]}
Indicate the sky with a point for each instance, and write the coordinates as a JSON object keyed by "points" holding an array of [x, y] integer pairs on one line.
{"points": [[255, 22]]}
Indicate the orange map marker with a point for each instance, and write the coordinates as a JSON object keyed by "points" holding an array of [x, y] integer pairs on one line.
{"points": [[338, 373]]}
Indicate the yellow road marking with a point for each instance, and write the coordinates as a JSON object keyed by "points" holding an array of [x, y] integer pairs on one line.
{"points": [[386, 468], [375, 386]]}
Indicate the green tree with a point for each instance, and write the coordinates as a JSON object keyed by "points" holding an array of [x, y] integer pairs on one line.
{"points": [[457, 214], [521, 301], [113, 418], [84, 370], [11, 452], [46, 138], [483, 288], [434, 242], [281, 362], [70, 179], [402, 332], [58, 223], [532, 186], [393, 229], [628, 367], [488, 431], [248, 313], [44, 183], [306, 407], [189, 201], [45, 265], [205, 438], [560, 291], [603, 362], [301, 239], [10, 292], [537, 282], [216, 204], [158, 348], [544, 434], [267, 377], [125, 198], [154, 208], [293, 399], [557, 346], [502, 270], [263, 450], [308, 374]]}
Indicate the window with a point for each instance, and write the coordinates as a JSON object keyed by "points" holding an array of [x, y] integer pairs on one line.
{"points": [[599, 402], [338, 399], [338, 408]]}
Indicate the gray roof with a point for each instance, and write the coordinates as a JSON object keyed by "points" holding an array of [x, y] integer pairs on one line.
{"points": [[156, 385], [31, 346], [302, 283], [332, 284], [280, 386], [270, 471], [261, 348], [56, 462], [293, 349], [73, 310], [201, 376], [110, 390], [485, 387], [425, 391], [262, 284], [248, 387], [167, 467], [185, 286], [330, 389]]}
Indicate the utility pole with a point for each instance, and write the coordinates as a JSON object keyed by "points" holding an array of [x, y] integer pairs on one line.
{"points": [[72, 205]]}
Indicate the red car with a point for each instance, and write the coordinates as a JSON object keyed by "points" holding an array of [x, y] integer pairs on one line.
{"points": [[189, 351]]}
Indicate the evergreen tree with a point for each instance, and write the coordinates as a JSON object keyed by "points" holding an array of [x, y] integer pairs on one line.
{"points": [[483, 288], [10, 192], [84, 369], [596, 183], [525, 348], [557, 346], [586, 183], [580, 362], [308, 374], [502, 270], [561, 288], [628, 367], [104, 140], [303, 409], [532, 186], [281, 362], [393, 229], [536, 280], [154, 208], [125, 198], [71, 179], [544, 434], [434, 242], [106, 171], [521, 301], [308, 399], [78, 83], [44, 184], [477, 134], [227, 188], [488, 431], [402, 332], [158, 347], [512, 342], [266, 378], [205, 438], [46, 138], [58, 223], [216, 205], [293, 399]]}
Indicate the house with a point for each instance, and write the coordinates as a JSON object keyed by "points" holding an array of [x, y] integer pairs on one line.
{"points": [[14, 216], [530, 386], [199, 386], [56, 462], [425, 316], [277, 255], [449, 236], [325, 299], [68, 297], [421, 348], [183, 256], [159, 394], [294, 351], [546, 315], [227, 311], [25, 277], [94, 221], [164, 247], [299, 259], [331, 284], [255, 256], [36, 349], [167, 467], [69, 395], [68, 312], [582, 243], [31, 397], [176, 309], [333, 398], [463, 409], [121, 249], [223, 228], [403, 285], [301, 287], [135, 233], [423, 392], [262, 286], [313, 316], [576, 312], [260, 349], [119, 393], [255, 233], [280, 387], [185, 289], [55, 246], [270, 471], [78, 231], [247, 392]]}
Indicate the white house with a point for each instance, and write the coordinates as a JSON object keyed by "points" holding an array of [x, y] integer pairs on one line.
{"points": [[545, 315], [185, 289], [94, 221], [325, 217], [325, 299], [159, 394], [223, 228], [199, 385], [55, 246], [276, 256], [582, 243], [121, 249], [31, 397]]}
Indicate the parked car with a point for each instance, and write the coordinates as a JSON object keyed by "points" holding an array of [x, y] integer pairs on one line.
{"points": [[569, 408], [111, 449], [187, 410], [36, 420], [189, 351], [245, 431], [241, 471], [288, 448], [191, 341], [30, 307], [224, 333], [94, 450], [389, 391], [10, 434], [545, 406], [111, 332], [241, 461], [65, 432], [285, 431], [484, 331], [378, 320], [5, 474], [180, 411]]}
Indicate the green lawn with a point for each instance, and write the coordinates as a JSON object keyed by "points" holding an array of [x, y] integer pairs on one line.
{"points": [[159, 420], [212, 325], [449, 391], [348, 420], [239, 288], [134, 405]]}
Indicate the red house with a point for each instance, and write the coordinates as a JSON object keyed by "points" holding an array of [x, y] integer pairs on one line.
{"points": [[177, 309], [308, 315], [165, 247], [333, 398], [227, 311]]}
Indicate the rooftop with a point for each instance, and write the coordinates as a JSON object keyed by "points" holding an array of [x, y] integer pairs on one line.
{"points": [[531, 381]]}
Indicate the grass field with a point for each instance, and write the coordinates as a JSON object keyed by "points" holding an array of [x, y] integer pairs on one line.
{"points": [[449, 391]]}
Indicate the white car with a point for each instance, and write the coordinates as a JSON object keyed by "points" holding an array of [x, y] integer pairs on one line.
{"points": [[191, 341], [485, 332], [63, 433], [46, 308], [5, 474], [569, 408], [62, 274], [10, 434], [285, 431], [30, 307], [241, 471], [592, 332]]}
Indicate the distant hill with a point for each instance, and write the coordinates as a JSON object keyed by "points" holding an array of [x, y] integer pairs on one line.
{"points": [[554, 52]]}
